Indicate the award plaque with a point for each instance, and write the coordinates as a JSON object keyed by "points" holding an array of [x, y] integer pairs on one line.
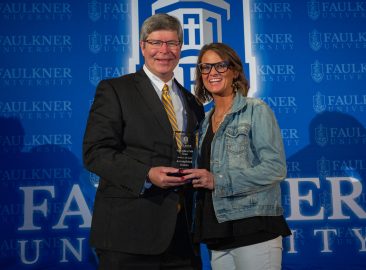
{"points": [[186, 142]]}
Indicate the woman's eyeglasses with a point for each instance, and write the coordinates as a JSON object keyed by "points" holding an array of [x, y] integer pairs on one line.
{"points": [[220, 67]]}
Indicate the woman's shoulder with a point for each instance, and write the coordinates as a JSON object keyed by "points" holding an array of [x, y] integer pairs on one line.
{"points": [[258, 106], [253, 101]]}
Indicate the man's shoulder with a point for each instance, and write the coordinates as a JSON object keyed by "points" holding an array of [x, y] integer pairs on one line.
{"points": [[126, 78], [183, 89], [192, 101]]}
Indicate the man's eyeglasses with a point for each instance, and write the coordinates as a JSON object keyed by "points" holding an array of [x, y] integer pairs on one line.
{"points": [[220, 67], [156, 44]]}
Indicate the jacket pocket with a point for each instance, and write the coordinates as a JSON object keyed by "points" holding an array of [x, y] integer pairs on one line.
{"points": [[237, 143]]}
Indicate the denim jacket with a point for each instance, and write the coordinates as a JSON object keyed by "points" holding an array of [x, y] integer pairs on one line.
{"points": [[247, 161]]}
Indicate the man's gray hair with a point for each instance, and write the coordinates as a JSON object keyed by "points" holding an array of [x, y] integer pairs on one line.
{"points": [[161, 21]]}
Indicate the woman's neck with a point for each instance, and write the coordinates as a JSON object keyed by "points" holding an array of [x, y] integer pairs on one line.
{"points": [[223, 104], [222, 108]]}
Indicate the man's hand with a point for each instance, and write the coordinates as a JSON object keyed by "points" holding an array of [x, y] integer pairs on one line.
{"points": [[160, 177]]}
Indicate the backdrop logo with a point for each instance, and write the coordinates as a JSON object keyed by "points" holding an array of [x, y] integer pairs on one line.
{"points": [[36, 11], [36, 76], [96, 73], [340, 103], [336, 9], [63, 246], [37, 110], [108, 11], [290, 136], [276, 73], [315, 40], [313, 9], [293, 168], [12, 143], [95, 42], [337, 71], [94, 10], [319, 102], [19, 176], [340, 167], [352, 135], [284, 104], [108, 43], [271, 11], [202, 21], [317, 71], [273, 42], [321, 135], [35, 43], [323, 167], [337, 40]]}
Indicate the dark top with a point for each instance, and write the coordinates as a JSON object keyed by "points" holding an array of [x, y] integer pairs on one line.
{"points": [[235, 233]]}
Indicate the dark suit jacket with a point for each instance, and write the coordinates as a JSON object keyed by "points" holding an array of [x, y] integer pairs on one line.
{"points": [[127, 133]]}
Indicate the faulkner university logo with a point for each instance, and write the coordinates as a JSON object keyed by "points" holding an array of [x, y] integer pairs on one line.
{"points": [[319, 102], [313, 9], [94, 10], [315, 40], [95, 42]]}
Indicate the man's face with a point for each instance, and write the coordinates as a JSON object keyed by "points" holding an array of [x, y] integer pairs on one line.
{"points": [[161, 61]]}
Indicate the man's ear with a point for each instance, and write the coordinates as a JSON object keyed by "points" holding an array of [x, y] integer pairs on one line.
{"points": [[142, 46]]}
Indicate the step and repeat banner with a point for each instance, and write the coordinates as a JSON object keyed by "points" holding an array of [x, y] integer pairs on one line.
{"points": [[305, 59]]}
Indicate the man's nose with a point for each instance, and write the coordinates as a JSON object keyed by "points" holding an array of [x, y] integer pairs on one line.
{"points": [[164, 47]]}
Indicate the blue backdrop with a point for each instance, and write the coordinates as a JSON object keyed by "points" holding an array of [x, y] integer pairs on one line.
{"points": [[306, 59]]}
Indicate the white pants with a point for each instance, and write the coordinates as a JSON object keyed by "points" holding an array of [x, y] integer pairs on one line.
{"points": [[263, 256]]}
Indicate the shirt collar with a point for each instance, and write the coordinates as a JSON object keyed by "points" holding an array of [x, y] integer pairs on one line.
{"points": [[157, 81]]}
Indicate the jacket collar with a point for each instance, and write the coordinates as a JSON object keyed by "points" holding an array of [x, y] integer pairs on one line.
{"points": [[239, 103]]}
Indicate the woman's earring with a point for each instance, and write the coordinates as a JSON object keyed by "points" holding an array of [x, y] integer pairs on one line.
{"points": [[235, 86], [206, 93]]}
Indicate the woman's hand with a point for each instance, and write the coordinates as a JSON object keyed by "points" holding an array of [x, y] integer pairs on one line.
{"points": [[201, 178]]}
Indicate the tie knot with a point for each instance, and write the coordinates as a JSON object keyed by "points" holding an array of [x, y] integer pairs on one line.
{"points": [[166, 88]]}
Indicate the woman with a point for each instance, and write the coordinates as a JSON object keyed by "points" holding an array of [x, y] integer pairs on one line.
{"points": [[242, 162]]}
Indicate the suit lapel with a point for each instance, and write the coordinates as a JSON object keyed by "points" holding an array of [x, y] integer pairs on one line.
{"points": [[152, 101], [190, 114]]}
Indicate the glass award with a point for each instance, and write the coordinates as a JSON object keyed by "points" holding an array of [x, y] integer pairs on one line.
{"points": [[186, 145]]}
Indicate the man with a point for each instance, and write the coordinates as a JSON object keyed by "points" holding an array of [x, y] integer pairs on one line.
{"points": [[139, 221]]}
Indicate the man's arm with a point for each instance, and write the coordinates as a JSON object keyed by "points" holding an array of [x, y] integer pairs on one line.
{"points": [[103, 146]]}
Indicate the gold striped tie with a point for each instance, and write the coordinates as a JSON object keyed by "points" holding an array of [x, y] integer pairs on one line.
{"points": [[168, 105]]}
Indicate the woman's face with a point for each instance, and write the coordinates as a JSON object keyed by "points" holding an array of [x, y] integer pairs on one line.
{"points": [[218, 81]]}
